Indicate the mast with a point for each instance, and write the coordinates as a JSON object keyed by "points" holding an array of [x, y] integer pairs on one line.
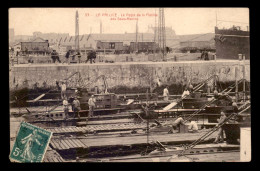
{"points": [[77, 32], [161, 33], [155, 31], [136, 36], [244, 79]]}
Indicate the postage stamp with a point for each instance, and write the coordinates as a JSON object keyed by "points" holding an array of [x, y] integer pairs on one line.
{"points": [[30, 144]]}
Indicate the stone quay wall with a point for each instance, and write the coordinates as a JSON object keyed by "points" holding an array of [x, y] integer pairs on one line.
{"points": [[129, 74]]}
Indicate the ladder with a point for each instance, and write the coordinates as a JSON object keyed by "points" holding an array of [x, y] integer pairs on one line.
{"points": [[192, 145], [225, 92], [197, 87]]}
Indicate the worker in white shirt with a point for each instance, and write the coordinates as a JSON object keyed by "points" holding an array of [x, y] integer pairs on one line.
{"points": [[63, 90], [65, 107], [91, 103], [166, 93], [185, 93], [193, 126]]}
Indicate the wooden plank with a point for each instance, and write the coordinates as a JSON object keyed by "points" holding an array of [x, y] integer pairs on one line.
{"points": [[72, 143], [57, 130], [74, 129], [69, 144], [54, 159], [82, 144], [60, 159], [63, 130], [76, 142], [71, 130], [66, 145], [141, 139], [60, 144], [77, 129], [54, 144], [50, 159], [80, 129]]}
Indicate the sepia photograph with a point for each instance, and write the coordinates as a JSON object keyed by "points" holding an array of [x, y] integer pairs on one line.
{"points": [[129, 85]]}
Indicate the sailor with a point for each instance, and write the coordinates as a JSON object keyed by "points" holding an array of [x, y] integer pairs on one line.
{"points": [[220, 137], [76, 106], [193, 127], [63, 90], [176, 124], [166, 93], [79, 57], [92, 104], [191, 88], [67, 56], [185, 93], [65, 107]]}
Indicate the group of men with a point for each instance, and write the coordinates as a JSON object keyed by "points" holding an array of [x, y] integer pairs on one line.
{"points": [[75, 105], [70, 55], [192, 125], [186, 92]]}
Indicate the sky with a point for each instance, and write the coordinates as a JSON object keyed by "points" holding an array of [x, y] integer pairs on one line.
{"points": [[25, 21]]}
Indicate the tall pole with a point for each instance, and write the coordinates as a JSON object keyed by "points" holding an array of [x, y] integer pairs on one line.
{"points": [[216, 18], [155, 30], [236, 75], [147, 115], [244, 79], [161, 33], [136, 36], [77, 32]]}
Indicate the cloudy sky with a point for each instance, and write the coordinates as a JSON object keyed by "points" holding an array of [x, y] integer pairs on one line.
{"points": [[25, 21]]}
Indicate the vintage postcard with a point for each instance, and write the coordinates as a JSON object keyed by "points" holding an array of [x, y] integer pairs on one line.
{"points": [[129, 85]]}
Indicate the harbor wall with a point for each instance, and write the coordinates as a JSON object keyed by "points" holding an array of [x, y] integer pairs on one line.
{"points": [[131, 74]]}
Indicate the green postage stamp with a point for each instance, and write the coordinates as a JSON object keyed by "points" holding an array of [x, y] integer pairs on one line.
{"points": [[30, 144]]}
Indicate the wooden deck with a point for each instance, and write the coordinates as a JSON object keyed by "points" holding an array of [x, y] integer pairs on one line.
{"points": [[66, 143], [52, 156]]}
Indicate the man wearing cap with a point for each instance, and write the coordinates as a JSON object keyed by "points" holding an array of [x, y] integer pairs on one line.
{"points": [[63, 90], [65, 107], [91, 103], [185, 93], [76, 106], [220, 130], [166, 93], [193, 126]]}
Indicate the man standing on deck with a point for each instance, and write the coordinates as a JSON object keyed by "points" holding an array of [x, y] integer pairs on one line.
{"points": [[76, 106], [193, 126], [166, 93], [67, 56], [65, 107], [220, 130], [63, 90], [185, 93], [91, 103]]}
